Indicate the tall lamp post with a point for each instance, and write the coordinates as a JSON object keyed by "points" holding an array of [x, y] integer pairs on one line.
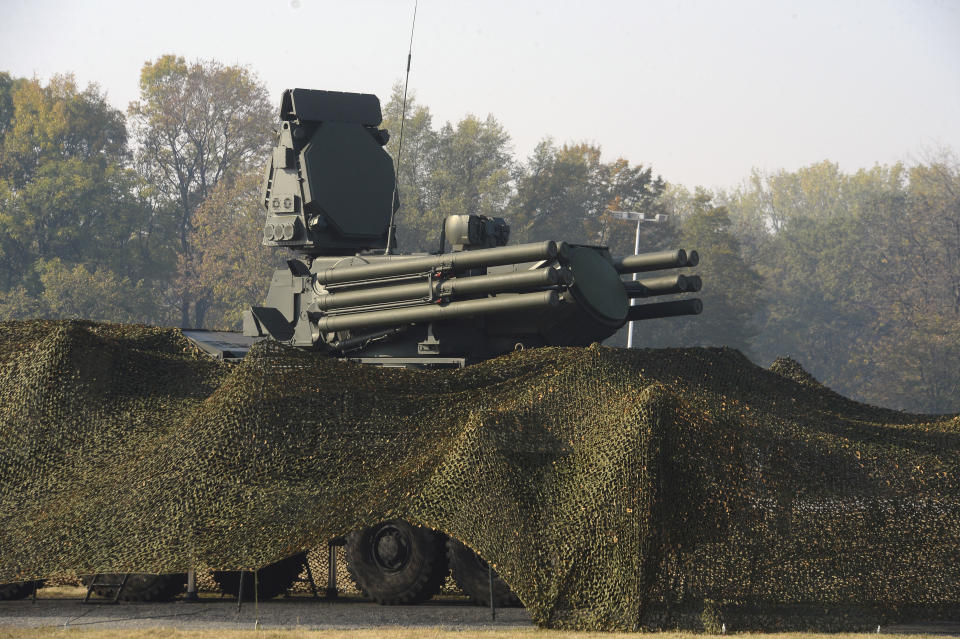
{"points": [[637, 217]]}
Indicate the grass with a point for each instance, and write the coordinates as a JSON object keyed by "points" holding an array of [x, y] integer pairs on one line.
{"points": [[386, 633]]}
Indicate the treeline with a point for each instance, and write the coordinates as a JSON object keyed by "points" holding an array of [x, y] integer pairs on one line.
{"points": [[153, 216], [146, 217]]}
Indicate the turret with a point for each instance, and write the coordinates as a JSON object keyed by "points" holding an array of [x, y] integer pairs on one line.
{"points": [[329, 193]]}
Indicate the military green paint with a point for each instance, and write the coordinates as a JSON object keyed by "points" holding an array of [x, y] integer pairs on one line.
{"points": [[598, 285], [349, 178]]}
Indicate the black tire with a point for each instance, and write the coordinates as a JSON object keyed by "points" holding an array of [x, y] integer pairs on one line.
{"points": [[396, 563], [141, 587], [18, 590], [272, 580], [470, 573]]}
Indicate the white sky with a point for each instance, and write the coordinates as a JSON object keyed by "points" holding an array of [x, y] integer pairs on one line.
{"points": [[701, 91]]}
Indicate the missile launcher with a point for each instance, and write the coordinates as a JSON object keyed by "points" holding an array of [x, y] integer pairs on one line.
{"points": [[329, 193]]}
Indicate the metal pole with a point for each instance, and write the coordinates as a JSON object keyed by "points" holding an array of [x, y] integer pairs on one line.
{"points": [[240, 593], [256, 601], [331, 592], [123, 583], [313, 584], [493, 609], [191, 585], [636, 251]]}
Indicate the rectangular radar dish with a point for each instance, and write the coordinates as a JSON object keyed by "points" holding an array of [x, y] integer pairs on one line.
{"points": [[312, 105]]}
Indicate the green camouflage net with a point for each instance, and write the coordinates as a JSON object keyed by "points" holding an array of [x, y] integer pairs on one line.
{"points": [[608, 487]]}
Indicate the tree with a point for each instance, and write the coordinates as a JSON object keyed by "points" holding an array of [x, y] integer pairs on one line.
{"points": [[471, 173], [65, 193], [730, 284], [93, 293], [232, 267], [631, 188], [7, 87], [860, 277], [913, 240], [458, 170], [567, 193], [557, 190], [195, 125], [416, 219]]}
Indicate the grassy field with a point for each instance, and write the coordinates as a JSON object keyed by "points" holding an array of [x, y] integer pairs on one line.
{"points": [[386, 633]]}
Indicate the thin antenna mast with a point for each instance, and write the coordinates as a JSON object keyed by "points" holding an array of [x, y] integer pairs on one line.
{"points": [[403, 118]]}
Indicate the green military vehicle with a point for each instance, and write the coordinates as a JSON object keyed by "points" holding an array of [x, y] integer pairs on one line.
{"points": [[329, 194]]}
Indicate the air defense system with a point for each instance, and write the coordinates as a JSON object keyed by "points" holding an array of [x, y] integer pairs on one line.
{"points": [[329, 194]]}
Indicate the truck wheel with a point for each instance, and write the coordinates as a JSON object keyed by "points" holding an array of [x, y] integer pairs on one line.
{"points": [[141, 586], [395, 563], [470, 573], [18, 590], [272, 580]]}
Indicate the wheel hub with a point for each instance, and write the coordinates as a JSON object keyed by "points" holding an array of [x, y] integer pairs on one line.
{"points": [[391, 549]]}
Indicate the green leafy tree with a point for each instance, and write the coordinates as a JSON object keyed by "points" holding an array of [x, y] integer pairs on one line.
{"points": [[805, 231], [195, 125], [912, 250], [232, 267], [557, 191], [567, 193], [7, 86], [20, 303], [62, 173], [65, 192], [860, 277], [631, 188], [471, 173], [416, 219], [730, 290], [94, 293]]}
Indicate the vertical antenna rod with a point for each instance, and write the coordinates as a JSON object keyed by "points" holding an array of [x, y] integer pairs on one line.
{"points": [[403, 119]]}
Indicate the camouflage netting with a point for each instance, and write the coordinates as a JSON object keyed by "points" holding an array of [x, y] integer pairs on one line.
{"points": [[604, 484]]}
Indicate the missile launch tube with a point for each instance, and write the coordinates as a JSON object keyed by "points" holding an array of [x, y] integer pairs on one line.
{"points": [[508, 282], [665, 285], [664, 309], [479, 284], [651, 261], [437, 312], [458, 260]]}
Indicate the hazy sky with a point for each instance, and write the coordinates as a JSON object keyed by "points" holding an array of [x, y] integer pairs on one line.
{"points": [[700, 91]]}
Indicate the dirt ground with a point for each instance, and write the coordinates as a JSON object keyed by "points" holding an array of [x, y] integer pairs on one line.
{"points": [[214, 613], [60, 612], [380, 633]]}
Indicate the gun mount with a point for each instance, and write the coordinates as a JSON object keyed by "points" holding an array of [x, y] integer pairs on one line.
{"points": [[329, 192]]}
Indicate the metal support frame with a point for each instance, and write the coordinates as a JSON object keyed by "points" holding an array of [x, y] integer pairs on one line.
{"points": [[191, 586], [240, 593], [636, 251], [93, 584], [256, 598], [331, 591], [313, 584], [309, 580], [493, 606]]}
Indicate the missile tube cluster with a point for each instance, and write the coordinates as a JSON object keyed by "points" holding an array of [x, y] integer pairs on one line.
{"points": [[408, 290]]}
